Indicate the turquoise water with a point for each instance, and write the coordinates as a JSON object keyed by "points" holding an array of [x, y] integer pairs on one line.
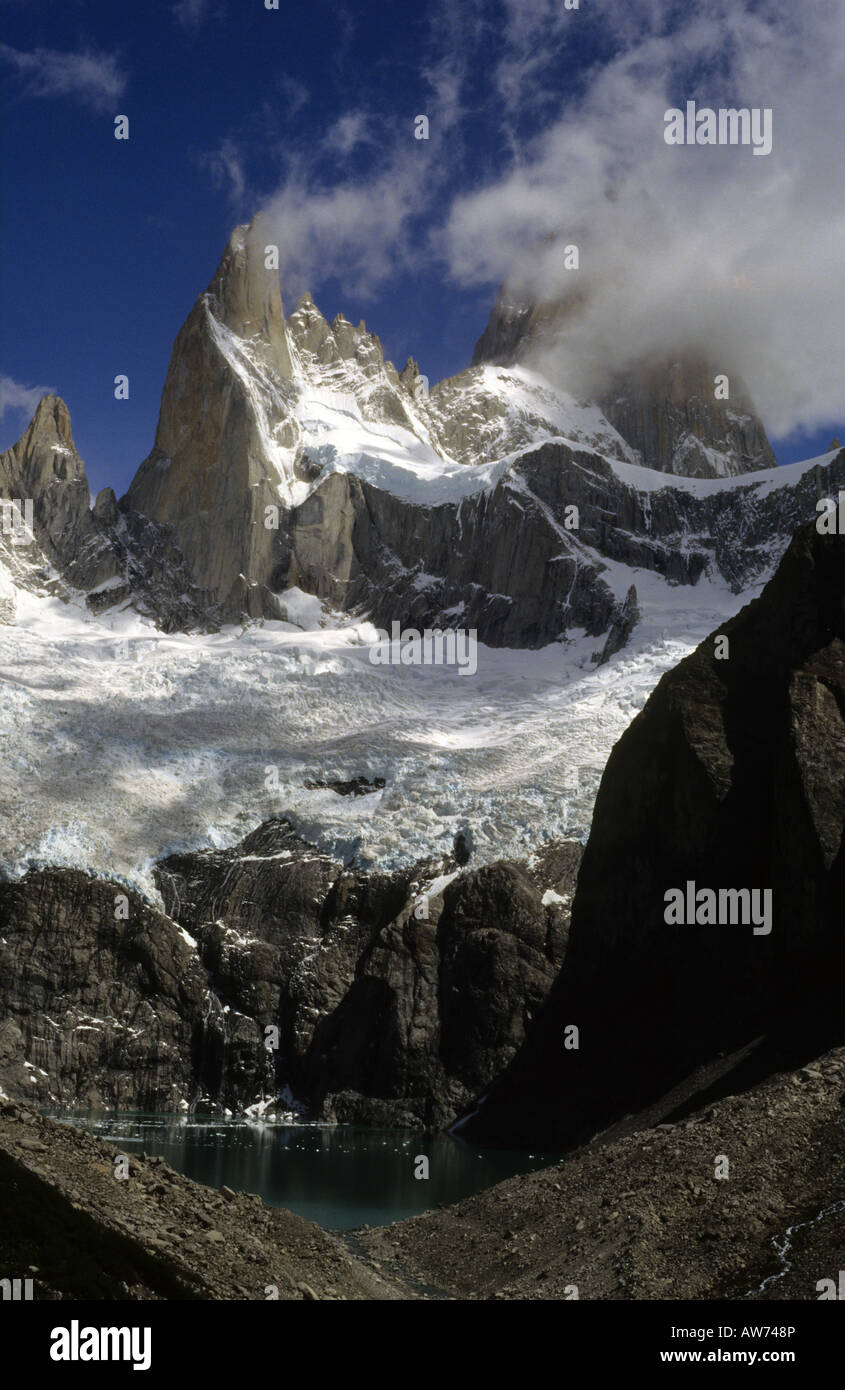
{"points": [[337, 1176]]}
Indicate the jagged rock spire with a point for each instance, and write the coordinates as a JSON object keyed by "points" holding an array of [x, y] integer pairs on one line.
{"points": [[246, 295], [226, 433]]}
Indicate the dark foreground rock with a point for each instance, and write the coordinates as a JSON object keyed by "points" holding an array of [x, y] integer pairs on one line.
{"points": [[645, 1217], [97, 1008], [732, 777], [78, 1231]]}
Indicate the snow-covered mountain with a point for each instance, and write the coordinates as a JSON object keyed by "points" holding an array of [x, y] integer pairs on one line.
{"points": [[143, 705], [259, 413], [290, 455], [667, 409]]}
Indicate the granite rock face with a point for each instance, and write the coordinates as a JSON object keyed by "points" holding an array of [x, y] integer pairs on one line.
{"points": [[394, 1000], [368, 997], [224, 424], [97, 1008], [505, 562], [106, 553], [731, 777], [267, 475], [253, 419], [351, 361], [670, 414]]}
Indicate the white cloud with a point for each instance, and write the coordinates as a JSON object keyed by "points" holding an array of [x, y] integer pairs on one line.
{"points": [[685, 246], [95, 79], [700, 248], [191, 13], [227, 169], [18, 399], [357, 231], [363, 230], [350, 130], [534, 33]]}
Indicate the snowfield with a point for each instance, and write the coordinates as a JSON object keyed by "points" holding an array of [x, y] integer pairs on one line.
{"points": [[123, 744]]}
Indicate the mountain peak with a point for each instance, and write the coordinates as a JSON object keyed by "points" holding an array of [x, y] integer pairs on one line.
{"points": [[45, 449], [246, 296], [51, 416], [664, 407]]}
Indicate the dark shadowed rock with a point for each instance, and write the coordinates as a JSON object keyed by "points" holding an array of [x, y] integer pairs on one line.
{"points": [[622, 627], [394, 1004], [95, 1009], [371, 997], [504, 563], [733, 776]]}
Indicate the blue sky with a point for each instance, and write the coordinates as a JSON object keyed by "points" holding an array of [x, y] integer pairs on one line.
{"points": [[309, 111]]}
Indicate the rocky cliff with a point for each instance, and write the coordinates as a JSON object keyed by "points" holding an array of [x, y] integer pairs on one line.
{"points": [[509, 562], [106, 554], [102, 1000], [276, 463], [369, 997], [225, 430], [290, 453], [732, 777], [670, 414]]}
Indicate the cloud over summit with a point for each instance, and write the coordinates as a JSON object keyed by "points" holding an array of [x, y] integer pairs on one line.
{"points": [[680, 246], [687, 245]]}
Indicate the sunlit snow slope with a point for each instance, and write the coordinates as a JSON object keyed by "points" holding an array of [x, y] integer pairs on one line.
{"points": [[123, 743]]}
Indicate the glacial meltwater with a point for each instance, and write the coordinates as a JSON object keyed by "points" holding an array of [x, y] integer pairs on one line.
{"points": [[338, 1176]]}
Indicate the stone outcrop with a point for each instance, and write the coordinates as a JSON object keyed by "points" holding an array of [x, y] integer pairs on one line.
{"points": [[622, 628], [225, 428], [499, 562], [96, 1009], [394, 998], [517, 326], [235, 440], [669, 413], [503, 561], [731, 777], [351, 361], [106, 552], [395, 1001]]}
